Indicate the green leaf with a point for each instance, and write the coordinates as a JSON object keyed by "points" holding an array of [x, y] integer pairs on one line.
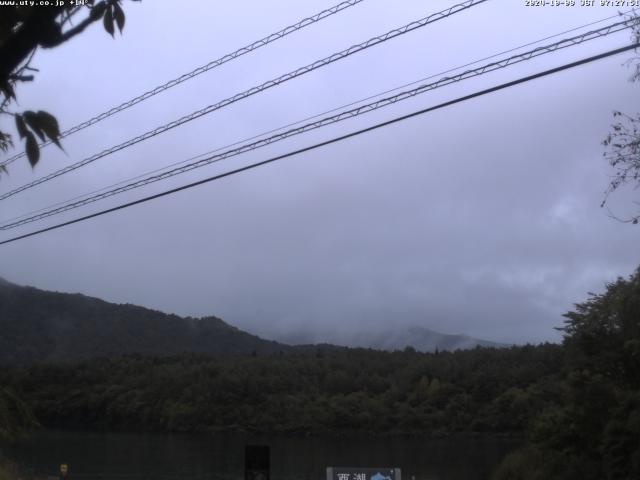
{"points": [[107, 20], [119, 16], [33, 151], [20, 125], [49, 125], [34, 123]]}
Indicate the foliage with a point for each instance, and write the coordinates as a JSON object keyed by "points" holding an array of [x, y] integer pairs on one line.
{"points": [[343, 391], [623, 154], [8, 470], [46, 326], [24, 27], [592, 432], [578, 403], [623, 142], [603, 333], [16, 418]]}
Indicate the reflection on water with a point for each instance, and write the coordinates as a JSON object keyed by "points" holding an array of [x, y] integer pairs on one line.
{"points": [[134, 456]]}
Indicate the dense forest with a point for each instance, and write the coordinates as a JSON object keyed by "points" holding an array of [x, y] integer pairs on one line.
{"points": [[576, 404], [592, 431], [340, 392]]}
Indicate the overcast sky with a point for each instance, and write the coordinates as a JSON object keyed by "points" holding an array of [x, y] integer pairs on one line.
{"points": [[482, 218]]}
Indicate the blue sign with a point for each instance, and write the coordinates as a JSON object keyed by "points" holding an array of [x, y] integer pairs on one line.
{"points": [[355, 473]]}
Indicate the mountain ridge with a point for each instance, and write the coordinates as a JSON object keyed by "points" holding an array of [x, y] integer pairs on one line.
{"points": [[420, 338], [42, 326]]}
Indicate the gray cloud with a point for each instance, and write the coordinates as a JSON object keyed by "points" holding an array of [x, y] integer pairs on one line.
{"points": [[482, 218]]}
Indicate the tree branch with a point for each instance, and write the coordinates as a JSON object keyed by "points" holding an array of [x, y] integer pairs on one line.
{"points": [[41, 29], [96, 13], [21, 78]]}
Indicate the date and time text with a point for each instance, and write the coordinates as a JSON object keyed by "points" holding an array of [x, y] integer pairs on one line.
{"points": [[582, 3]]}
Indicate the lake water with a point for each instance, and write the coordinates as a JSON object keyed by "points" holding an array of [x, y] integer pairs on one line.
{"points": [[132, 456]]}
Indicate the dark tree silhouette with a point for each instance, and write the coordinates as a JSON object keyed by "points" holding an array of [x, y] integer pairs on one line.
{"points": [[623, 142], [24, 29], [592, 431]]}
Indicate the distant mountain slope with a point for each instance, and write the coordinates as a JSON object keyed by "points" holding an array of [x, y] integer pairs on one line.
{"points": [[420, 338], [38, 326]]}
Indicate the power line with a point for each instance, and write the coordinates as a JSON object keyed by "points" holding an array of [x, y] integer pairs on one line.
{"points": [[205, 68], [326, 112], [333, 140], [525, 56], [342, 116], [252, 91]]}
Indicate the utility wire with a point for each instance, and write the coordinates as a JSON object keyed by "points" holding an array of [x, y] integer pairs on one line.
{"points": [[525, 56], [252, 91], [465, 98], [326, 112], [205, 68]]}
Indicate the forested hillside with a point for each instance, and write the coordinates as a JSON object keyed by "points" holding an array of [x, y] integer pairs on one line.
{"points": [[41, 326], [338, 392], [577, 404], [592, 430]]}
